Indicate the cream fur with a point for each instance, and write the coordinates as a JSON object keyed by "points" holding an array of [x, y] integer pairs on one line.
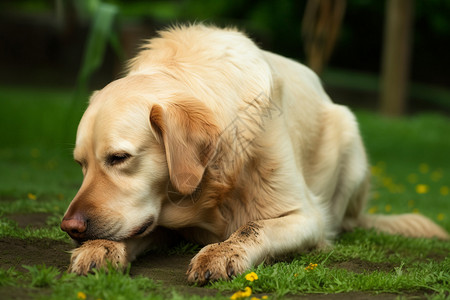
{"points": [[225, 143]]}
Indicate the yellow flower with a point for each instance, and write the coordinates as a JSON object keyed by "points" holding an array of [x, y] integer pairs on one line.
{"points": [[251, 276], [242, 294], [375, 170], [412, 178], [35, 153], [81, 295], [421, 189], [31, 196], [265, 297], [440, 216], [373, 210], [444, 190], [416, 211], [311, 267], [436, 175], [387, 181], [424, 168], [388, 208], [254, 298]]}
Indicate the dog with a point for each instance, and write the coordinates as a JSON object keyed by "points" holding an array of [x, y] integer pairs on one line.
{"points": [[212, 139]]}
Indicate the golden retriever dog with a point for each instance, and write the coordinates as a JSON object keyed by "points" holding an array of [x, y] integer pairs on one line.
{"points": [[211, 138]]}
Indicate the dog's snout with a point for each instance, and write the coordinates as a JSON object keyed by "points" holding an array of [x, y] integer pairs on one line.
{"points": [[75, 226]]}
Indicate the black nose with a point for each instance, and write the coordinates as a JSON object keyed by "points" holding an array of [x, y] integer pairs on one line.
{"points": [[75, 226]]}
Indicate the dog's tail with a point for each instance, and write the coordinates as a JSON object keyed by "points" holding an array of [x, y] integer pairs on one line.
{"points": [[410, 225]]}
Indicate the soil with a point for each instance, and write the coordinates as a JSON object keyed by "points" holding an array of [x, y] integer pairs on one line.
{"points": [[362, 266], [34, 220], [168, 269]]}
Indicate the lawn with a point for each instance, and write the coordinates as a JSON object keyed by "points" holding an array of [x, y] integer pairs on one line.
{"points": [[38, 178]]}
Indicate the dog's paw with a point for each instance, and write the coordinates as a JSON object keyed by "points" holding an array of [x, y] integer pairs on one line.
{"points": [[98, 254], [217, 261]]}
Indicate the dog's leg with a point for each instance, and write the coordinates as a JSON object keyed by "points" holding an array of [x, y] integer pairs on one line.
{"points": [[255, 241], [100, 254]]}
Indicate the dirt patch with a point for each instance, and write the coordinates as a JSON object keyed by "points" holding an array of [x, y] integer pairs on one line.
{"points": [[170, 270], [17, 252], [359, 266], [33, 220], [436, 256]]}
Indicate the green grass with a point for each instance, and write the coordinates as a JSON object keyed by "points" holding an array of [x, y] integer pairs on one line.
{"points": [[37, 174], [49, 283]]}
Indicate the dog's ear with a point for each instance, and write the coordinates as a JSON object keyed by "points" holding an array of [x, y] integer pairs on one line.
{"points": [[189, 134]]}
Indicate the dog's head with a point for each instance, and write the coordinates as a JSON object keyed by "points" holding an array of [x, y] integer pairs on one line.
{"points": [[133, 139]]}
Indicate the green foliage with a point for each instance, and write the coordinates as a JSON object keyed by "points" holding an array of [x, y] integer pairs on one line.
{"points": [[294, 277], [42, 276], [109, 284], [9, 228], [8, 277], [101, 32]]}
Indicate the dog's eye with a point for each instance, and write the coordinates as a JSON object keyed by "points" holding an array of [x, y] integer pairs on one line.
{"points": [[117, 158]]}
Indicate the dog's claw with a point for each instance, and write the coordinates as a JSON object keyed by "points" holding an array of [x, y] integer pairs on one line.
{"points": [[230, 270], [93, 265], [207, 274]]}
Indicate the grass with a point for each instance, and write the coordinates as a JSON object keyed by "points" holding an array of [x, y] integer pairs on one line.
{"points": [[411, 172]]}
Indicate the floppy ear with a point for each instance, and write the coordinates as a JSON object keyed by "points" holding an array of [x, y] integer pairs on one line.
{"points": [[189, 134]]}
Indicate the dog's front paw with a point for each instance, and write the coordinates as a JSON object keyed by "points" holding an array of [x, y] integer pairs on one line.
{"points": [[98, 254], [217, 261]]}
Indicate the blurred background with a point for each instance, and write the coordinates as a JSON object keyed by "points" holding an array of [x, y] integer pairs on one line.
{"points": [[366, 52]]}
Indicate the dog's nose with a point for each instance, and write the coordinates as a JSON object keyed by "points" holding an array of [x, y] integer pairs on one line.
{"points": [[75, 226]]}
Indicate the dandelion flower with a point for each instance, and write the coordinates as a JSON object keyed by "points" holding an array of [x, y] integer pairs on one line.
{"points": [[31, 196], [265, 297], [251, 276], [373, 210], [311, 267], [242, 294], [421, 189], [444, 190], [388, 208], [376, 171], [387, 182], [424, 168], [81, 295], [440, 216], [436, 175], [35, 153], [413, 178]]}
